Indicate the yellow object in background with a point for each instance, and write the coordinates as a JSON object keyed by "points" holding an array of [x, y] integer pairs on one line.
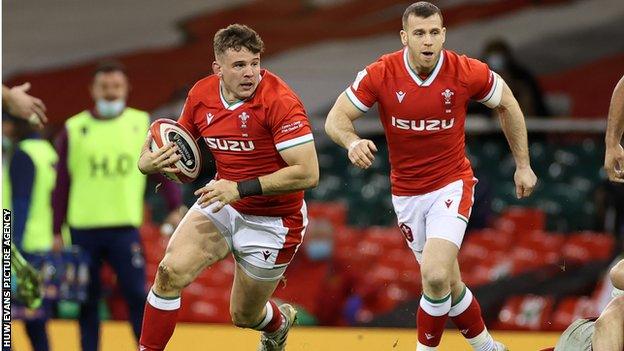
{"points": [[117, 336]]}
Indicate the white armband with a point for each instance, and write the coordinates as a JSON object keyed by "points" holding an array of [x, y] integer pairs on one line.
{"points": [[493, 98]]}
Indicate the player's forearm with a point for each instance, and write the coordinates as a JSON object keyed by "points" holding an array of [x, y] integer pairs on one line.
{"points": [[615, 124], [609, 330], [289, 179], [340, 129], [514, 128]]}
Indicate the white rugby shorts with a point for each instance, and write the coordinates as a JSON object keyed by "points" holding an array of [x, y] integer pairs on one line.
{"points": [[263, 246], [442, 213]]}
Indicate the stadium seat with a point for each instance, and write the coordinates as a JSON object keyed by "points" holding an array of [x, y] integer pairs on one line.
{"points": [[586, 246], [529, 312], [335, 211], [525, 219], [571, 309]]}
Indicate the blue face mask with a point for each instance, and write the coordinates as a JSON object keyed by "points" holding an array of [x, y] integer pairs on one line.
{"points": [[318, 250], [497, 62], [109, 109], [7, 144]]}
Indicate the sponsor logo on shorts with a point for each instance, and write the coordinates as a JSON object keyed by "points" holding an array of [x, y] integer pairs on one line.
{"points": [[448, 203], [266, 254], [407, 232]]}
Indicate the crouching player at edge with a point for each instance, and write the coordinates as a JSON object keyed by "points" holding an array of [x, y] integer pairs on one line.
{"points": [[259, 134], [422, 91], [605, 333]]}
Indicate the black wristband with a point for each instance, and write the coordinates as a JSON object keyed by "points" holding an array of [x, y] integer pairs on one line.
{"points": [[249, 187]]}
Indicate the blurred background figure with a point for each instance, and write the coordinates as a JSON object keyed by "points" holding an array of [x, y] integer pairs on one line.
{"points": [[315, 281], [500, 57], [99, 194], [28, 181]]}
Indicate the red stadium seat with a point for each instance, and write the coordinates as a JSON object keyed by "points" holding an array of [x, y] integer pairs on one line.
{"points": [[529, 312], [525, 219], [387, 237], [410, 280], [571, 309], [491, 239], [336, 212], [587, 246]]}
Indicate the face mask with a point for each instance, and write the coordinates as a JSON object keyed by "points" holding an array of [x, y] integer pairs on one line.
{"points": [[109, 109], [7, 144], [319, 250], [497, 62]]}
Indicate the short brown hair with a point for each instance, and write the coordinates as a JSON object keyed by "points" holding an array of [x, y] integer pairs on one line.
{"points": [[236, 37], [422, 9], [109, 66]]}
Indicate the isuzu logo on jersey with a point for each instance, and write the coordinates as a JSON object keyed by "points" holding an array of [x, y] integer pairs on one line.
{"points": [[422, 125], [230, 145], [447, 94]]}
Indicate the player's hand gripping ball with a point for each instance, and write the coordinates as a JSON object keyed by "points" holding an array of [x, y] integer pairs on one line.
{"points": [[165, 131]]}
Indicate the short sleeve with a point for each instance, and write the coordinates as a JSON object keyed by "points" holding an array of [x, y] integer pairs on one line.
{"points": [[289, 124], [363, 91], [484, 85], [187, 117]]}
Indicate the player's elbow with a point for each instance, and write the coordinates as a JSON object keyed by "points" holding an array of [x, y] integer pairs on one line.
{"points": [[329, 123], [314, 181], [312, 178]]}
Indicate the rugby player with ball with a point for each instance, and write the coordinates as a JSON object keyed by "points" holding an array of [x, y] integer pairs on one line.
{"points": [[259, 134]]}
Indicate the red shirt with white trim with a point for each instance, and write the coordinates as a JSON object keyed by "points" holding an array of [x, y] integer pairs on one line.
{"points": [[246, 137], [423, 118]]}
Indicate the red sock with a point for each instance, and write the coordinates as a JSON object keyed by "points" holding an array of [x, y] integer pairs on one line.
{"points": [[466, 314], [431, 318], [159, 321], [272, 319]]}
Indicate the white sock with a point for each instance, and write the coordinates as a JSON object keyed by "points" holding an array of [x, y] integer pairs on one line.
{"points": [[421, 347], [482, 342], [165, 304]]}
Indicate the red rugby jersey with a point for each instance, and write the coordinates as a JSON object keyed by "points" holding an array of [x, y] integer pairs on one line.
{"points": [[246, 137], [424, 119]]}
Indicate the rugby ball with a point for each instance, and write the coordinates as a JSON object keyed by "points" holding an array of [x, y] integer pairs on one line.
{"points": [[164, 131]]}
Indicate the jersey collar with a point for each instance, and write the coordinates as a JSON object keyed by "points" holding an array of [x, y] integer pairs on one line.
{"points": [[233, 106], [414, 74]]}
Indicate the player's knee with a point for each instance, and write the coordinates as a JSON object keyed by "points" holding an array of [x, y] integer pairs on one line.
{"points": [[436, 279], [617, 274], [169, 278], [613, 314], [456, 284], [243, 319]]}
